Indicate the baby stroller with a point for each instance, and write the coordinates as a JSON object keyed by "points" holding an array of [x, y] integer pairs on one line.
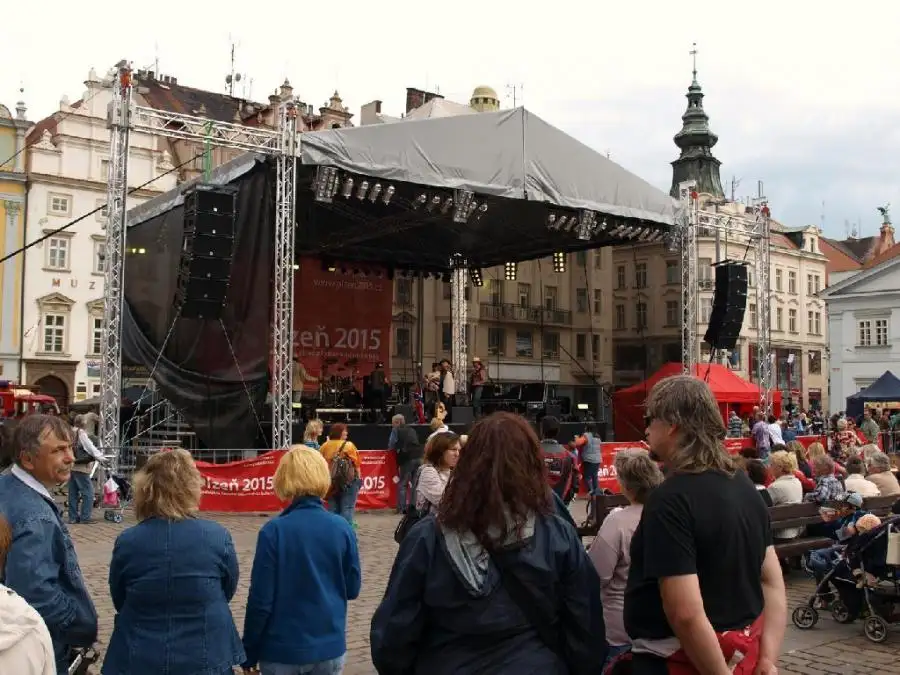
{"points": [[116, 513], [866, 577]]}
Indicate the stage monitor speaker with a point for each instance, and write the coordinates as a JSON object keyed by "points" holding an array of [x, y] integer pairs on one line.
{"points": [[462, 414], [207, 251], [408, 412], [729, 305]]}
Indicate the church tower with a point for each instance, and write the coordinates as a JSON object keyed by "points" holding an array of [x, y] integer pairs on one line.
{"points": [[696, 142]]}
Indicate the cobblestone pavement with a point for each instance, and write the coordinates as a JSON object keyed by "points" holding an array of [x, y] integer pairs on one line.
{"points": [[827, 648]]}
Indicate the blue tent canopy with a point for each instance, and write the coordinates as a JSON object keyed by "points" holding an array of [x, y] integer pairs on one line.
{"points": [[886, 389]]}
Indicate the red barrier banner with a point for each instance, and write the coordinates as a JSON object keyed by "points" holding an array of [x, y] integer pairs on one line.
{"points": [[344, 316], [246, 486]]}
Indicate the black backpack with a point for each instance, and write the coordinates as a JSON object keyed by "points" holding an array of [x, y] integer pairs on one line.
{"points": [[81, 455], [343, 471]]}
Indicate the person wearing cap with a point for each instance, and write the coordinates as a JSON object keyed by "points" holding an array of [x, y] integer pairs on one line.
{"points": [[476, 381], [843, 513]]}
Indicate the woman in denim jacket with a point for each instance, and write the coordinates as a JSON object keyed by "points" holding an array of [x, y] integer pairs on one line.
{"points": [[171, 578]]}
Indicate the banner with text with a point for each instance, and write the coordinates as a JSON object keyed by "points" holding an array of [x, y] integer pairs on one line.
{"points": [[343, 315], [246, 486]]}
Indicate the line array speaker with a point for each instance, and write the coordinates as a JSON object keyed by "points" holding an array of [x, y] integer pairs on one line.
{"points": [[729, 305], [207, 251]]}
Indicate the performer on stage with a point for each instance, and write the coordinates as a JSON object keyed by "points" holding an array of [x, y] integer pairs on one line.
{"points": [[432, 389], [378, 384], [447, 387], [299, 378], [477, 380]]}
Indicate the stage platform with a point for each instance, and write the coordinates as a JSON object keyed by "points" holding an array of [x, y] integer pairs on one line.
{"points": [[375, 436]]}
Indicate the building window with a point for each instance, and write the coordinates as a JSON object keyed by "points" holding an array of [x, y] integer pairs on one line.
{"points": [[815, 362], [402, 343], [58, 253], [620, 317], [598, 260], [751, 279], [598, 301], [96, 335], [581, 299], [550, 345], [814, 320], [551, 298], [778, 279], [446, 292], [403, 291], [864, 334], [581, 258], [495, 291], [792, 282], [809, 284], [580, 346], [673, 272], [95, 388], [524, 295], [792, 320], [104, 169], [103, 210], [872, 333], [640, 315], [672, 314], [881, 332], [595, 347], [496, 341], [817, 281], [524, 344], [99, 257], [620, 277], [54, 333], [779, 319], [754, 317], [704, 269], [59, 205], [640, 275], [705, 309], [446, 337]]}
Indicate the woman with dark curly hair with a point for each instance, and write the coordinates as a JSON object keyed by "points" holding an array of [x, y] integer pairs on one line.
{"points": [[496, 582]]}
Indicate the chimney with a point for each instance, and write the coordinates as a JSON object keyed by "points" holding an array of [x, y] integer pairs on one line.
{"points": [[415, 98], [287, 91]]}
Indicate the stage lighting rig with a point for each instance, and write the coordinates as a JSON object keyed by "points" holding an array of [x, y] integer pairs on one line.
{"points": [[347, 189], [326, 183], [510, 271], [559, 262], [435, 201], [587, 225], [447, 205], [375, 192], [463, 200], [388, 194], [476, 277], [362, 190]]}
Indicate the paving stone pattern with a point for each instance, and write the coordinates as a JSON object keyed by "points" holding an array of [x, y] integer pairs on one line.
{"points": [[828, 648]]}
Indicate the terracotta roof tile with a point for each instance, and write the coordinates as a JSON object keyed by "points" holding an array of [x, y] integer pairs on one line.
{"points": [[839, 258], [46, 124], [891, 253], [173, 97]]}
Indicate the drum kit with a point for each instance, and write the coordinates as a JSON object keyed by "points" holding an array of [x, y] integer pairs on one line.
{"points": [[338, 389]]}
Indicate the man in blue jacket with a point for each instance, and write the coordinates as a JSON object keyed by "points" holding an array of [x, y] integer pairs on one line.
{"points": [[41, 565]]}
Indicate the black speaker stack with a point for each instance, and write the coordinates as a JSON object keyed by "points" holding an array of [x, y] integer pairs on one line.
{"points": [[207, 251], [729, 305]]}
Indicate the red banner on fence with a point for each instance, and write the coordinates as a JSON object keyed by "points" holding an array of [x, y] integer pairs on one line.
{"points": [[246, 486], [342, 314]]}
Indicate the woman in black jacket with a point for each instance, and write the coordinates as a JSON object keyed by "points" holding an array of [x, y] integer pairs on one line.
{"points": [[495, 583]]}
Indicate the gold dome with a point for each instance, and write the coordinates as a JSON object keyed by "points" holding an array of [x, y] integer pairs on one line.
{"points": [[485, 99], [484, 92]]}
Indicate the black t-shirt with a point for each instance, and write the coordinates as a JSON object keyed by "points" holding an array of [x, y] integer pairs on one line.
{"points": [[708, 524]]}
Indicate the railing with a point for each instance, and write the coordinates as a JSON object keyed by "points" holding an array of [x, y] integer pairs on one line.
{"points": [[512, 312]]}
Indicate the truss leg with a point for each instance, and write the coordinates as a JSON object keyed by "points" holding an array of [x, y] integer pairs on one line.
{"points": [[283, 291], [689, 279], [763, 308], [459, 311], [114, 282]]}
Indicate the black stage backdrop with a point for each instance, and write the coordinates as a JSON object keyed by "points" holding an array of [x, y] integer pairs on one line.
{"points": [[217, 378]]}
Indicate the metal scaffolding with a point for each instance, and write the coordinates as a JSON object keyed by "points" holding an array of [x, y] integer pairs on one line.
{"points": [[459, 317], [125, 118], [687, 224], [764, 354]]}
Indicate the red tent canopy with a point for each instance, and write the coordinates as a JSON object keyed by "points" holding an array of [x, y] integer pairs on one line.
{"points": [[731, 391]]}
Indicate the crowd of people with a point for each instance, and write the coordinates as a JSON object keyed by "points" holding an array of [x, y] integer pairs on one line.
{"points": [[491, 575]]}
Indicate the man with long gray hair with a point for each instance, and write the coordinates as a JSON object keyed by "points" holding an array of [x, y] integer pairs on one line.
{"points": [[41, 565], [705, 590]]}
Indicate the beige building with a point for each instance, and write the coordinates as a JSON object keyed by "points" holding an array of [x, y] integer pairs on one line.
{"points": [[645, 303]]}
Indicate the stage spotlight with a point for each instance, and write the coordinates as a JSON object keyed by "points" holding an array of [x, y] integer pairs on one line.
{"points": [[587, 224], [348, 188], [434, 202], [510, 271], [362, 190], [447, 205], [561, 222], [388, 194], [463, 200], [559, 262], [551, 222], [375, 192], [326, 183], [421, 199], [480, 211], [475, 276]]}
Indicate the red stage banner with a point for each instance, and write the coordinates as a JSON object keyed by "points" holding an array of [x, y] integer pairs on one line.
{"points": [[246, 486], [342, 316]]}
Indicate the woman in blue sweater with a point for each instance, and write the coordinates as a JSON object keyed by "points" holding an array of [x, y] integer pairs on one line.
{"points": [[309, 556]]}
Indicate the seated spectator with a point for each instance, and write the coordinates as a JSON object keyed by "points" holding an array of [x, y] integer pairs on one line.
{"points": [[828, 488], [638, 476], [856, 480], [880, 473], [802, 455], [808, 484], [305, 570], [818, 450], [758, 473], [842, 514], [171, 578], [785, 489]]}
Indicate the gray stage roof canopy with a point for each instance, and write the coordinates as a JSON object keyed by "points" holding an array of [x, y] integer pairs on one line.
{"points": [[513, 154]]}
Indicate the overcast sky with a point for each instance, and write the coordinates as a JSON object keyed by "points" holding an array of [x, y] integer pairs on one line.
{"points": [[803, 94]]}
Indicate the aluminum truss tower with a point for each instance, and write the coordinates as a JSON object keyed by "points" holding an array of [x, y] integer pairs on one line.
{"points": [[764, 354], [687, 240], [124, 118], [459, 317]]}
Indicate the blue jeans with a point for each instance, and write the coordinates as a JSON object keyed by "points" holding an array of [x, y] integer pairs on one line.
{"points": [[343, 503], [80, 485], [476, 400], [589, 470], [331, 667], [822, 560], [407, 474]]}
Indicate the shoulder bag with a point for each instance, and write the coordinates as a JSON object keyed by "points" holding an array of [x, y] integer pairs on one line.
{"points": [[523, 598], [411, 515]]}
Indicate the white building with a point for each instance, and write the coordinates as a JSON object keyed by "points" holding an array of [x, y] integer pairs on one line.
{"points": [[864, 326], [63, 281]]}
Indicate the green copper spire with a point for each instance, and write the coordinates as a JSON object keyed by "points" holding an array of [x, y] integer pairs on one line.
{"points": [[696, 142]]}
